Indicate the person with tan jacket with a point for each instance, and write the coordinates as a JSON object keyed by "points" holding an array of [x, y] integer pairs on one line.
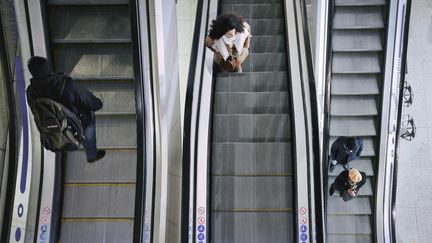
{"points": [[229, 39]]}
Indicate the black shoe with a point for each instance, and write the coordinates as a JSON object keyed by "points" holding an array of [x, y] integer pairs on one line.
{"points": [[100, 154], [332, 189]]}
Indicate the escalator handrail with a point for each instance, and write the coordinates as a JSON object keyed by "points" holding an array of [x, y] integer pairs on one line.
{"points": [[193, 95], [144, 105], [12, 134], [318, 193], [399, 121], [326, 120], [390, 129]]}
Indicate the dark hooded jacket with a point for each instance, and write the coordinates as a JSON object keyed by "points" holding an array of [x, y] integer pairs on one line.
{"points": [[341, 153], [46, 84]]}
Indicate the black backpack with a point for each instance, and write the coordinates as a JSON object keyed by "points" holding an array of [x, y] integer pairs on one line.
{"points": [[60, 129]]}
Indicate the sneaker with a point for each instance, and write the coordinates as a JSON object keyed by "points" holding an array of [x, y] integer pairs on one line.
{"points": [[100, 154], [332, 167], [332, 189]]}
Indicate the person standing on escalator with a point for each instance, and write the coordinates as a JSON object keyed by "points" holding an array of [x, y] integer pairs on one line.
{"points": [[348, 183], [62, 89], [344, 150], [229, 39]]}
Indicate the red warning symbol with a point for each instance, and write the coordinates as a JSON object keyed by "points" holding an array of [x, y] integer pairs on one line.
{"points": [[44, 220], [201, 220], [201, 210], [46, 210], [303, 210], [303, 220]]}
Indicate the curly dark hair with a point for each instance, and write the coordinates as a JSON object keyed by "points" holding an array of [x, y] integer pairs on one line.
{"points": [[224, 23]]}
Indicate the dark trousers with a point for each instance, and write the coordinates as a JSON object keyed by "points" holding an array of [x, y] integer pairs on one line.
{"points": [[89, 142]]}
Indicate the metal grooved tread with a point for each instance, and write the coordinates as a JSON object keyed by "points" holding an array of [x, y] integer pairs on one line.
{"points": [[91, 42], [354, 110], [251, 159]]}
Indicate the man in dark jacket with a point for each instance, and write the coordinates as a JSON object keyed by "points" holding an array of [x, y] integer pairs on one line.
{"points": [[348, 181], [344, 150], [46, 84]]}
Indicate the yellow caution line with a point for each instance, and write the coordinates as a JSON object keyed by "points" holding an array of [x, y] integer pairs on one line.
{"points": [[99, 184], [105, 219], [258, 210]]}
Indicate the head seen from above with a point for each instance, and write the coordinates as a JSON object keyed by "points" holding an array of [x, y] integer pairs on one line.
{"points": [[226, 25]]}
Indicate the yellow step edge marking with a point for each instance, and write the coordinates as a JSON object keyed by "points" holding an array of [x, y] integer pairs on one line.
{"points": [[255, 175], [266, 210], [101, 219], [100, 184]]}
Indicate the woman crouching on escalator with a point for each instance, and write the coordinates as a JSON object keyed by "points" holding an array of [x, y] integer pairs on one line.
{"points": [[229, 39]]}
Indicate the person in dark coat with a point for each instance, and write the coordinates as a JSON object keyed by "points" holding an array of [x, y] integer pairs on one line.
{"points": [[348, 181], [344, 150], [46, 84]]}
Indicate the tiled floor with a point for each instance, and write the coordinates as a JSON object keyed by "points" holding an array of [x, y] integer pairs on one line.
{"points": [[414, 192]]}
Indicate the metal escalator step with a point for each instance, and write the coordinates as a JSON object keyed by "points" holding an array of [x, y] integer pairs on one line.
{"points": [[86, 60], [352, 126], [267, 27], [359, 2], [353, 105], [358, 18], [368, 146], [354, 84], [358, 205], [251, 103], [250, 1], [116, 131], [252, 82], [246, 227], [254, 11], [117, 166], [90, 41], [97, 231], [340, 238], [362, 164], [365, 190], [87, 2], [98, 200], [251, 158], [356, 40], [357, 62], [251, 193], [251, 128], [92, 23], [267, 44], [265, 62], [348, 224], [117, 96]]}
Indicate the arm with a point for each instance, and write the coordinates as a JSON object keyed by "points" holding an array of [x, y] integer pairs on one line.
{"points": [[247, 41], [209, 43], [84, 99]]}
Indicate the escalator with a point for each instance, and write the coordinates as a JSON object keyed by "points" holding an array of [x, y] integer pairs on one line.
{"points": [[357, 75], [251, 168], [91, 42]]}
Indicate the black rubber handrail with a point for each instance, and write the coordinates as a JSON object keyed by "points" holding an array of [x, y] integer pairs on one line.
{"points": [[12, 132], [399, 119], [184, 225], [319, 214], [140, 189], [327, 95]]}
